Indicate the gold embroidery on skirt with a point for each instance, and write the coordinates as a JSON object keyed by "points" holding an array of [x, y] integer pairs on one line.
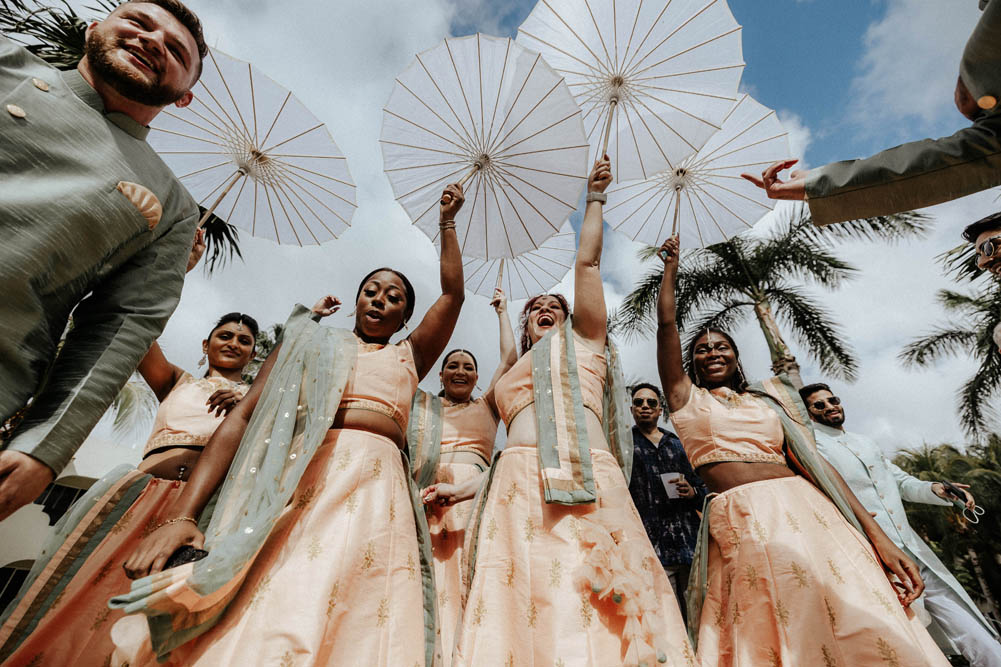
{"points": [[288, 660], [831, 616], [305, 498], [533, 614], [586, 610], [774, 659], [835, 571], [555, 573], [751, 575], [382, 615], [369, 558], [782, 614], [491, 529], [793, 523], [411, 568], [314, 549], [332, 600], [479, 612], [510, 573], [887, 653], [797, 571], [828, 657]]}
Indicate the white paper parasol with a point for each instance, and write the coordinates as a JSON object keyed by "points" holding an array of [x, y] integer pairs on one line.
{"points": [[488, 112], [528, 274], [654, 78], [251, 153], [705, 196]]}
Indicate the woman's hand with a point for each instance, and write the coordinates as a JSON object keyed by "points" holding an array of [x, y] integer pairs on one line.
{"points": [[669, 253], [451, 201], [441, 494], [154, 550], [601, 175], [327, 305], [499, 301], [197, 249], [222, 401], [909, 583]]}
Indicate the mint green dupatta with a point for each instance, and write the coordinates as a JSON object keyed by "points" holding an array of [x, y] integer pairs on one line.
{"points": [[424, 437], [564, 450], [291, 420], [781, 395]]}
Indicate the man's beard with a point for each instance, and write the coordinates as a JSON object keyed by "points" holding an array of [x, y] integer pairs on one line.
{"points": [[837, 422], [128, 84]]}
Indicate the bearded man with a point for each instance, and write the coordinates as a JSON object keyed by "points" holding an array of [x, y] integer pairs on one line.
{"points": [[882, 487], [92, 222]]}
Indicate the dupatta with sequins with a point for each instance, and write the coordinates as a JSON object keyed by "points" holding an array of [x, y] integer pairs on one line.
{"points": [[290, 422], [781, 395]]}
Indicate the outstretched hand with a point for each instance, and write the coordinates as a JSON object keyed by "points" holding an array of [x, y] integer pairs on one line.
{"points": [[327, 305], [794, 188], [197, 249], [22, 479]]}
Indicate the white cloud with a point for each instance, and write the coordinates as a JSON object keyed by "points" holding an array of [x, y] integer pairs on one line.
{"points": [[799, 135], [909, 66]]}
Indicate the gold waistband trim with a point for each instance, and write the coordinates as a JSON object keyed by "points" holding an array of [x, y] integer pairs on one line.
{"points": [[175, 440], [596, 411], [722, 455], [395, 414]]}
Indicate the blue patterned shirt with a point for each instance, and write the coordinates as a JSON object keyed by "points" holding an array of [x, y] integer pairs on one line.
{"points": [[671, 523]]}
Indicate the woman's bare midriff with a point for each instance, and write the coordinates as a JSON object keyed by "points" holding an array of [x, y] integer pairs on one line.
{"points": [[522, 430], [174, 463], [373, 422], [726, 475], [463, 457]]}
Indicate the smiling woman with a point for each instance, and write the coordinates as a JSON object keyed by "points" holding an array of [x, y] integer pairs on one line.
{"points": [[326, 555], [61, 616]]}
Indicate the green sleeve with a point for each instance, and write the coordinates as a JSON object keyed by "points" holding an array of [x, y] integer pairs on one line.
{"points": [[113, 328], [910, 176]]}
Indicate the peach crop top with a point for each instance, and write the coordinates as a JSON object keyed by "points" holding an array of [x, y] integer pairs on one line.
{"points": [[711, 432], [468, 427], [384, 381], [183, 419], [513, 391]]}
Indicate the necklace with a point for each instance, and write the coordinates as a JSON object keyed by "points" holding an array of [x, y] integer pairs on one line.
{"points": [[728, 398]]}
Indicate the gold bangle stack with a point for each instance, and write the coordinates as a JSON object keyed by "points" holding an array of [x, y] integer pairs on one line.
{"points": [[446, 224], [172, 521]]}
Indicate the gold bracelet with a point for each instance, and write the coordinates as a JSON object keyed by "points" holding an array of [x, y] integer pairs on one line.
{"points": [[447, 224], [172, 521]]}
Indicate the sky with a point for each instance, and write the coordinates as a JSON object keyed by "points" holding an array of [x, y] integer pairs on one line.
{"points": [[847, 78]]}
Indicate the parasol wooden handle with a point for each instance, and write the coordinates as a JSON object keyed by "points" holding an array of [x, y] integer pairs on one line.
{"points": [[446, 198], [608, 125], [677, 211], [240, 173], [500, 275]]}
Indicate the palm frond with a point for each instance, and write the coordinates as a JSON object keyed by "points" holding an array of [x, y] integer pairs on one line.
{"points": [[134, 408], [797, 257], [53, 32], [938, 344], [635, 315], [976, 413], [885, 228], [960, 263], [815, 329], [222, 242]]}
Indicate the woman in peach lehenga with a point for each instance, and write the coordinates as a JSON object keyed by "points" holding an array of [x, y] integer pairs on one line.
{"points": [[789, 567], [317, 548], [465, 428], [64, 602], [561, 571]]}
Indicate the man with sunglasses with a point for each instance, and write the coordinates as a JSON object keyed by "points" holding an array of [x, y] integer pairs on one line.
{"points": [[882, 487], [985, 235], [665, 489]]}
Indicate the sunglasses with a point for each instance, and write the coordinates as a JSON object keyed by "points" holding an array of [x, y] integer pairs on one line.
{"points": [[819, 405], [649, 402], [990, 247]]}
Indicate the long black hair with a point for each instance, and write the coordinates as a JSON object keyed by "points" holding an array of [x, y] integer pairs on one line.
{"points": [[408, 309]]}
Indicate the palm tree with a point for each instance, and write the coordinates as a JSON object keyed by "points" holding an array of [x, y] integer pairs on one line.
{"points": [[267, 339], [972, 318], [55, 33], [970, 551], [720, 286]]}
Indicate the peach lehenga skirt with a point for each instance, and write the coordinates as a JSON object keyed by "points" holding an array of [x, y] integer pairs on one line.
{"points": [[536, 598], [447, 525], [83, 574], [791, 583], [338, 581]]}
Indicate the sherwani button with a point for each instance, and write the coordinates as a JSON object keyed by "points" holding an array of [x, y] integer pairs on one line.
{"points": [[41, 85], [16, 111]]}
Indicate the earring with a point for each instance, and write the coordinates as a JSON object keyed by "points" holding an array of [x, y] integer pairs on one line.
{"points": [[204, 360]]}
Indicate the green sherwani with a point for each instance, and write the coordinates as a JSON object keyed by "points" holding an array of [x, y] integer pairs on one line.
{"points": [[931, 171], [80, 222]]}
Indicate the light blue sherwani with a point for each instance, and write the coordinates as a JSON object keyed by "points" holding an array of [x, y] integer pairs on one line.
{"points": [[882, 487], [92, 219]]}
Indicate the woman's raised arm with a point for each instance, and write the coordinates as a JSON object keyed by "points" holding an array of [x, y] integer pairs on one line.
{"points": [[590, 316], [677, 385], [433, 333]]}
